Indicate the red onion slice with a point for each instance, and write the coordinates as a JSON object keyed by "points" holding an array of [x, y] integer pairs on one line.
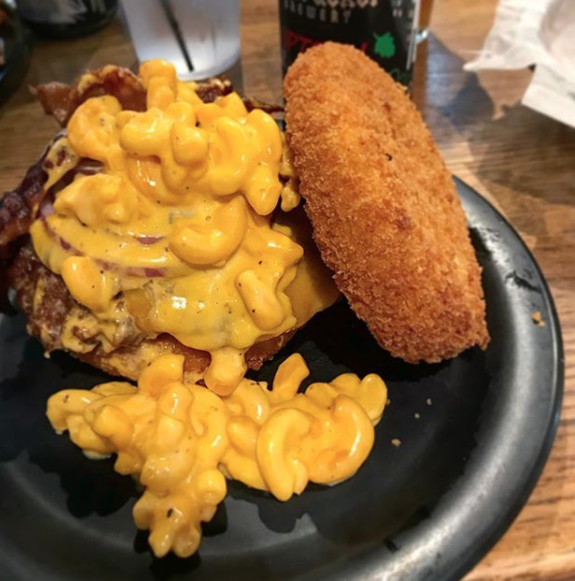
{"points": [[132, 271], [147, 240]]}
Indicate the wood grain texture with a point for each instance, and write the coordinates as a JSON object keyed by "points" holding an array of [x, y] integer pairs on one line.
{"points": [[512, 155]]}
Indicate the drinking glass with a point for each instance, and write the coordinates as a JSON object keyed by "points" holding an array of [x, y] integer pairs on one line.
{"points": [[422, 31], [200, 37]]}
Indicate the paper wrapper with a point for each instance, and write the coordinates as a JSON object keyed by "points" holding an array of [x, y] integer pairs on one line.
{"points": [[540, 33]]}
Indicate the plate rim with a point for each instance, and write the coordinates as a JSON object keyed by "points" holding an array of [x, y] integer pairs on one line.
{"points": [[558, 389], [441, 564]]}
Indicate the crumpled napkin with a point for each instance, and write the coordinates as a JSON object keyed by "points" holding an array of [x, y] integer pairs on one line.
{"points": [[540, 33]]}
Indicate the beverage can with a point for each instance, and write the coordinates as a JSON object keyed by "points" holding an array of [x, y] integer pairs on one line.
{"points": [[383, 29]]}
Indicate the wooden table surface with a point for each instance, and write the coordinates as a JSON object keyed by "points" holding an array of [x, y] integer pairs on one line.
{"points": [[511, 154]]}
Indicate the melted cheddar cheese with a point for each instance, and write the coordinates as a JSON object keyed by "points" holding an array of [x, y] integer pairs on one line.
{"points": [[181, 439], [178, 223]]}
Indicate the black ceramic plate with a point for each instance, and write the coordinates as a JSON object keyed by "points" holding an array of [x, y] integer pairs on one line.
{"points": [[428, 509]]}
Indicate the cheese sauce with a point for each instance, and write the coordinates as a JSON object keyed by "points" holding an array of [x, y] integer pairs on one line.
{"points": [[182, 440], [179, 222], [175, 235]]}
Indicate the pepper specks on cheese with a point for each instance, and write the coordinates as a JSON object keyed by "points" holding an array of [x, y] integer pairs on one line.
{"points": [[179, 222], [191, 228], [181, 440]]}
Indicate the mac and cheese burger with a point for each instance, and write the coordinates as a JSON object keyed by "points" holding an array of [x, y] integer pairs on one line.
{"points": [[161, 237], [164, 218]]}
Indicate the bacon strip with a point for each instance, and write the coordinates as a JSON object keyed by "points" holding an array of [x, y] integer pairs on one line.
{"points": [[61, 100], [208, 91], [17, 207], [252, 104]]}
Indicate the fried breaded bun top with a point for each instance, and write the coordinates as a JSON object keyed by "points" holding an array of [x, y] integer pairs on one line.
{"points": [[383, 206]]}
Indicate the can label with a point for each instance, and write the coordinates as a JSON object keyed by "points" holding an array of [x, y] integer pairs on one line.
{"points": [[382, 29]]}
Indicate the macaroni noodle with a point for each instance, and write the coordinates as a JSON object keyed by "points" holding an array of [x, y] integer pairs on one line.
{"points": [[182, 439], [178, 222]]}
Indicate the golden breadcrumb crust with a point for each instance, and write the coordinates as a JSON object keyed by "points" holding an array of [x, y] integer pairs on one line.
{"points": [[383, 206]]}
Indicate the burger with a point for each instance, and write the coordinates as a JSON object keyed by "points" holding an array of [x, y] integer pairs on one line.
{"points": [[167, 217]]}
